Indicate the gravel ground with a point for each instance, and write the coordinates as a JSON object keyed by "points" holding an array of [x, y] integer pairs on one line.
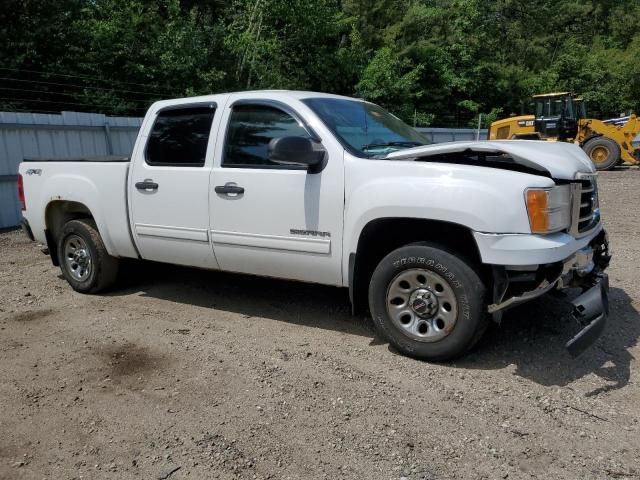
{"points": [[184, 373]]}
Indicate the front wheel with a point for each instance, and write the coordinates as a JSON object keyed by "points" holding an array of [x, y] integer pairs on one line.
{"points": [[84, 260], [427, 302]]}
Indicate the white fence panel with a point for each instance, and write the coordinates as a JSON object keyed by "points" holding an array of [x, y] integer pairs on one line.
{"points": [[70, 134], [441, 135]]}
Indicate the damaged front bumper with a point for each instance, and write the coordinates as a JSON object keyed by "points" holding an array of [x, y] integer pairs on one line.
{"points": [[584, 269], [590, 309]]}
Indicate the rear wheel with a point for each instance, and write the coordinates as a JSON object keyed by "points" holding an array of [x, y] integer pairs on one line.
{"points": [[84, 260], [603, 152], [427, 302]]}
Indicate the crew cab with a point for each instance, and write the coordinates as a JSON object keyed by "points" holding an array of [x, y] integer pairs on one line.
{"points": [[434, 240]]}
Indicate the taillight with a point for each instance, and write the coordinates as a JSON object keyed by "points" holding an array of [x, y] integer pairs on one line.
{"points": [[23, 205]]}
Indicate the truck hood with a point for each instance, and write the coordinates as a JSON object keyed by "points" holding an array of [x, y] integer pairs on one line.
{"points": [[554, 159]]}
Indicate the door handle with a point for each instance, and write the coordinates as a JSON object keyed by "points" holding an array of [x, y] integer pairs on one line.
{"points": [[148, 184], [229, 189]]}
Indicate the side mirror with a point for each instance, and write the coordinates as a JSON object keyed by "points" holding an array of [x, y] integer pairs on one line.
{"points": [[297, 151]]}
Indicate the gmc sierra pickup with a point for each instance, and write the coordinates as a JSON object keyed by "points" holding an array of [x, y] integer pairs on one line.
{"points": [[436, 240]]}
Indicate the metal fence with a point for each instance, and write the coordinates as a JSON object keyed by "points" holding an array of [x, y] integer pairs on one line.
{"points": [[441, 135], [72, 134]]}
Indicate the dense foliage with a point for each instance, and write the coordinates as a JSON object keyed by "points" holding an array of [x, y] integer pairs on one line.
{"points": [[439, 62]]}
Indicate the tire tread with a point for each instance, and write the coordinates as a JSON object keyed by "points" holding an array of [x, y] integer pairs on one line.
{"points": [[614, 148], [473, 288]]}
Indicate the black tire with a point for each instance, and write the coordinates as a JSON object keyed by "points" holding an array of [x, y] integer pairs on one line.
{"points": [[603, 152], [464, 284], [103, 270]]}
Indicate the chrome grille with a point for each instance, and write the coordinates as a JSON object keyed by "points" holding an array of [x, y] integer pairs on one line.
{"points": [[586, 209]]}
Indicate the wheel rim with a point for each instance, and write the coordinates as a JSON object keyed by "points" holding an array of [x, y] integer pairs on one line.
{"points": [[422, 305], [600, 154], [77, 257]]}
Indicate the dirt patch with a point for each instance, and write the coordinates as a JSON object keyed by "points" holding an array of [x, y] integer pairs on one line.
{"points": [[31, 315], [129, 360]]}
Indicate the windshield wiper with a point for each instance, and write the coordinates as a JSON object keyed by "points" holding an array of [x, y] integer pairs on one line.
{"points": [[405, 144]]}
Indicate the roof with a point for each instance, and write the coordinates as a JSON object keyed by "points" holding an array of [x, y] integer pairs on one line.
{"points": [[272, 94]]}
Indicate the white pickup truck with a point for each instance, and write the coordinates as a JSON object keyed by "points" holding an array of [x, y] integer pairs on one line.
{"points": [[434, 239]]}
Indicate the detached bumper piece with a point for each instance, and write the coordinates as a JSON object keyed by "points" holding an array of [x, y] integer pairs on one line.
{"points": [[590, 309]]}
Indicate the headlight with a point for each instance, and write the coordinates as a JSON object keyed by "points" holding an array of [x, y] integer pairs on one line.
{"points": [[549, 209]]}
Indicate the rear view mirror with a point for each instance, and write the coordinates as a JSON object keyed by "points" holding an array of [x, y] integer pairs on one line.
{"points": [[297, 151]]}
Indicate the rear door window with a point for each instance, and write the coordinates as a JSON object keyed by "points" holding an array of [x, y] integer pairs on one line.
{"points": [[179, 137]]}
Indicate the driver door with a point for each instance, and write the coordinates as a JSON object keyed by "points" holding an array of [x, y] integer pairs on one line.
{"points": [[269, 219]]}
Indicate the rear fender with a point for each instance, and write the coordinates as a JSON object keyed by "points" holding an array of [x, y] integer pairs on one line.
{"points": [[76, 188], [590, 137]]}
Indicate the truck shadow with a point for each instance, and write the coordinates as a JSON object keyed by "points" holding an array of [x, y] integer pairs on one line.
{"points": [[250, 296], [531, 337]]}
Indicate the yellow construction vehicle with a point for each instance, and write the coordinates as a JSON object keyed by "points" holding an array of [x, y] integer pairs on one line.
{"points": [[562, 117]]}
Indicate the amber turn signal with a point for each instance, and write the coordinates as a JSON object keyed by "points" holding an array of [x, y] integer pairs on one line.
{"points": [[538, 209]]}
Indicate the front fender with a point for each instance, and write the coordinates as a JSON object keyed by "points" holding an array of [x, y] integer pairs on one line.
{"points": [[479, 198]]}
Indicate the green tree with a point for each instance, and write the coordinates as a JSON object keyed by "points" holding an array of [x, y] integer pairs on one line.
{"points": [[438, 61], [392, 82]]}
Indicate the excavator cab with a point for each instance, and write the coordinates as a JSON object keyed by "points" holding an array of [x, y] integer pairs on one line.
{"points": [[557, 115], [581, 107]]}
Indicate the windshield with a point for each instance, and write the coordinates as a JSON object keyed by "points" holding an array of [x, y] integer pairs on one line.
{"points": [[363, 128]]}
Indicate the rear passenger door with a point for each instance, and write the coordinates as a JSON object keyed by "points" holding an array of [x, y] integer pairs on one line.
{"points": [[271, 219], [169, 186]]}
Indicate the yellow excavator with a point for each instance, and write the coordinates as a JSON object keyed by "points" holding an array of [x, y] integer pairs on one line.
{"points": [[562, 117]]}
